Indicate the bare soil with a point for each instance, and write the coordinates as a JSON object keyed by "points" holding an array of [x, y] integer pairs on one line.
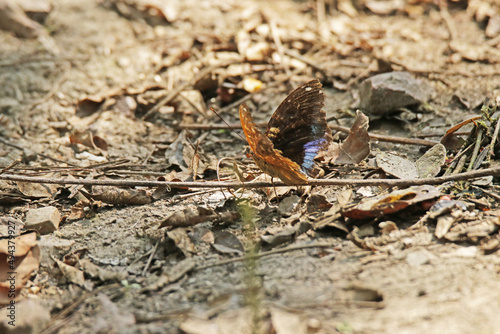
{"points": [[102, 65]]}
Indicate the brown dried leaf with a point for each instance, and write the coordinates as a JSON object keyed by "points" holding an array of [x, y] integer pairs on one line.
{"points": [[356, 147], [10, 226], [182, 241], [227, 243], [88, 139], [287, 234], [390, 203], [89, 106], [71, 273], [181, 153], [19, 258], [78, 210], [446, 138], [31, 189], [19, 245]]}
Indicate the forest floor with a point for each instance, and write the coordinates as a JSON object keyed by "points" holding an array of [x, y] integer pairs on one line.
{"points": [[121, 90]]}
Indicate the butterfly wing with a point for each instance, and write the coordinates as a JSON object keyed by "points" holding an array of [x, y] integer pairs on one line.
{"points": [[298, 128], [269, 160]]}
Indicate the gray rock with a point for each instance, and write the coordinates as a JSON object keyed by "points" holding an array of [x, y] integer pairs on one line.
{"points": [[387, 92], [44, 220]]}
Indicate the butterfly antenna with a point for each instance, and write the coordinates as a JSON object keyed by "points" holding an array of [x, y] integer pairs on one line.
{"points": [[228, 126]]}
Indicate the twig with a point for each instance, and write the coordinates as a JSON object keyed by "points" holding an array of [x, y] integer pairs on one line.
{"points": [[10, 166], [489, 193], [495, 136], [146, 267], [236, 185], [138, 259], [475, 152], [262, 254], [389, 139]]}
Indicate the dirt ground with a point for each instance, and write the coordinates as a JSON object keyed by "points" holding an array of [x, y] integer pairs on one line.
{"points": [[104, 67]]}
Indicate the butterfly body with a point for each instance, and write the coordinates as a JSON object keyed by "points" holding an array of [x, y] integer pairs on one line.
{"points": [[295, 134]]}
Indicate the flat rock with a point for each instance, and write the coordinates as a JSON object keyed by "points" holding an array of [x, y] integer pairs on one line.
{"points": [[44, 220], [387, 92]]}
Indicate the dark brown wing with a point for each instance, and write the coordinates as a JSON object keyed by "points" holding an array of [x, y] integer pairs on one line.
{"points": [[298, 127], [269, 160]]}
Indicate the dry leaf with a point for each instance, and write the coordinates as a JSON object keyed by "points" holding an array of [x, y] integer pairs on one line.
{"points": [[87, 138], [10, 226], [356, 147], [397, 166], [182, 241], [391, 203], [71, 273], [19, 258]]}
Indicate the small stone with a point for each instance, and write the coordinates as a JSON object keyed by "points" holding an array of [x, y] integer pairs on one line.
{"points": [[418, 258], [287, 205], [44, 220], [470, 251]]}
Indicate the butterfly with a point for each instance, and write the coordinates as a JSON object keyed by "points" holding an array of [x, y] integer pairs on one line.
{"points": [[295, 134]]}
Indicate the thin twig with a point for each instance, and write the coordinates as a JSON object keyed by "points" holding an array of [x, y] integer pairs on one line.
{"points": [[262, 254], [495, 136], [475, 152], [146, 267], [236, 185], [389, 139], [10, 166]]}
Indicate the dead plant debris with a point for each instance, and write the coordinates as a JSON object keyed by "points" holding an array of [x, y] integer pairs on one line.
{"points": [[117, 114]]}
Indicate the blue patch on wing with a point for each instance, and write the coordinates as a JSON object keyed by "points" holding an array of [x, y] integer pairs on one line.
{"points": [[310, 151]]}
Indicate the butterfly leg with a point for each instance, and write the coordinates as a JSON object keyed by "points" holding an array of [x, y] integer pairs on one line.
{"points": [[275, 192]]}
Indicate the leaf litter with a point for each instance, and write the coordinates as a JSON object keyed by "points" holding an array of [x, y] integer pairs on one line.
{"points": [[130, 99]]}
